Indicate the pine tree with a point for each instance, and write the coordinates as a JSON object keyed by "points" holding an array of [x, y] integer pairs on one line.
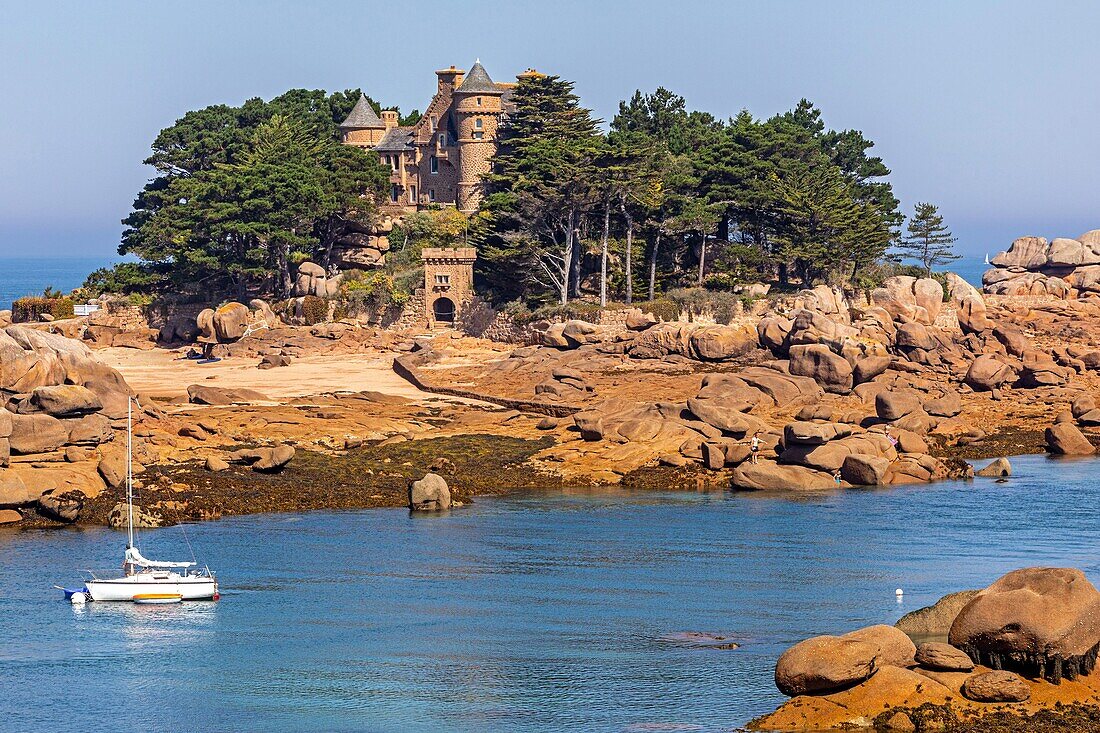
{"points": [[542, 185], [929, 240]]}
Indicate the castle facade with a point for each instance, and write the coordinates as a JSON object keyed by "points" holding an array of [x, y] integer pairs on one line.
{"points": [[441, 159]]}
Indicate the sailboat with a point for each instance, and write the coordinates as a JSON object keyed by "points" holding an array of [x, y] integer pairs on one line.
{"points": [[143, 580]]}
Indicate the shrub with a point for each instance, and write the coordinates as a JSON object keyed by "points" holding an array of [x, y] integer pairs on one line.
{"points": [[314, 310], [32, 307], [663, 308], [720, 281], [722, 306]]}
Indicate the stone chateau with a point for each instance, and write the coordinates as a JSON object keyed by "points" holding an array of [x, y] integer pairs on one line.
{"points": [[440, 160], [437, 162]]}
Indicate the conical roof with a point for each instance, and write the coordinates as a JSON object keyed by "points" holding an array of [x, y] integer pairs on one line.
{"points": [[478, 81], [362, 115]]}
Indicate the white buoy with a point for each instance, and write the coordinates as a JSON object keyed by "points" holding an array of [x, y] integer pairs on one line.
{"points": [[78, 598]]}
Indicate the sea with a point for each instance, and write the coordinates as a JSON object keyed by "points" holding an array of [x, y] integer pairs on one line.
{"points": [[20, 276], [576, 611]]}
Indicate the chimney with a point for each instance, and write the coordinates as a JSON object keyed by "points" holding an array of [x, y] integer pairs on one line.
{"points": [[449, 79], [389, 118]]}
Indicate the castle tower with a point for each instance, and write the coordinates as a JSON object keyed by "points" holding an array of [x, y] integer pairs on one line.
{"points": [[477, 107], [362, 127], [448, 282]]}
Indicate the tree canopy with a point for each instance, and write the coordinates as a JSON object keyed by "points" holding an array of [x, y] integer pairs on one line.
{"points": [[928, 241], [241, 193], [668, 196]]}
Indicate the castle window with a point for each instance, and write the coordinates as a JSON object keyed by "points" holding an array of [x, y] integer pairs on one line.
{"points": [[442, 278], [479, 101], [433, 164], [479, 135], [412, 194], [431, 194], [477, 123], [442, 139], [433, 123], [395, 192]]}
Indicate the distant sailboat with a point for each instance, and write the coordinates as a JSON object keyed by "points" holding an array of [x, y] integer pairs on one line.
{"points": [[144, 580], [987, 258]]}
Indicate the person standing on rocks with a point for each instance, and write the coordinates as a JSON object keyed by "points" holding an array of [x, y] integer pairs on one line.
{"points": [[755, 449]]}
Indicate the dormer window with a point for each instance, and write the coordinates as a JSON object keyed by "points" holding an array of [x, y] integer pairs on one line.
{"points": [[442, 139], [432, 123]]}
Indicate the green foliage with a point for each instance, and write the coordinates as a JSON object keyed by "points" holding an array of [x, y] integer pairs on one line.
{"points": [[370, 292], [32, 307], [663, 308], [823, 228], [123, 279], [720, 281], [723, 306], [929, 241], [662, 116], [243, 193], [541, 186], [314, 310]]}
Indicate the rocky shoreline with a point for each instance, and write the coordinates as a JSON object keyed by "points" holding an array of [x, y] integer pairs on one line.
{"points": [[1018, 653], [904, 384]]}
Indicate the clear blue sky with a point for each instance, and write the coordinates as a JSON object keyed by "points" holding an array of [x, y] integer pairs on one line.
{"points": [[989, 109]]}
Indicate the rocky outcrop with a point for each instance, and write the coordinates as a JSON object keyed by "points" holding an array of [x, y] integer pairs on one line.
{"points": [[1040, 621], [313, 280], [1063, 268], [825, 664], [885, 683], [430, 493], [943, 657], [1064, 439], [264, 460], [996, 686], [997, 468], [202, 394], [694, 341]]}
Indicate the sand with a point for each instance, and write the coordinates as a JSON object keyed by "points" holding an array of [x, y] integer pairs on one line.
{"points": [[163, 374]]}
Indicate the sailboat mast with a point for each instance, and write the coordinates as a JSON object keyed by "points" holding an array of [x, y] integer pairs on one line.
{"points": [[129, 473]]}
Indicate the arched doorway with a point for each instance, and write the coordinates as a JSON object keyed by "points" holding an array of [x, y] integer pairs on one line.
{"points": [[443, 309]]}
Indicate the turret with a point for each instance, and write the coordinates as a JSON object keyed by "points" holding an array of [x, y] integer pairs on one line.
{"points": [[362, 127], [477, 107]]}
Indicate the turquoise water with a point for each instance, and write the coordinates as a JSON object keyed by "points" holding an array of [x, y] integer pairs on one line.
{"points": [[21, 276], [531, 612]]}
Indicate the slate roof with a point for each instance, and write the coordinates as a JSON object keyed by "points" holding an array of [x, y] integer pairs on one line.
{"points": [[396, 140], [478, 81], [362, 116]]}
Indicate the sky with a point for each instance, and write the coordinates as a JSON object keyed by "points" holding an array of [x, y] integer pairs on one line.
{"points": [[988, 109]]}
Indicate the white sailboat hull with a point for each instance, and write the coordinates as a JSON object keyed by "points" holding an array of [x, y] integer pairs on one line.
{"points": [[124, 589]]}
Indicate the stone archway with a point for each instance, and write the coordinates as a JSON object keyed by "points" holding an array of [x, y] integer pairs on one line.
{"points": [[443, 310]]}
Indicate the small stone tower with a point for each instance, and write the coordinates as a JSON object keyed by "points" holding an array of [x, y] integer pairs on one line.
{"points": [[362, 128], [448, 282], [477, 107]]}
